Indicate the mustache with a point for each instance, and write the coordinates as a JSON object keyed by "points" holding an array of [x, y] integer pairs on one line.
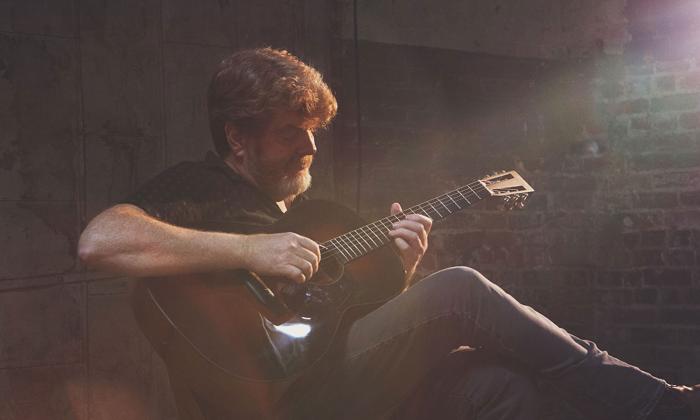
{"points": [[305, 161]]}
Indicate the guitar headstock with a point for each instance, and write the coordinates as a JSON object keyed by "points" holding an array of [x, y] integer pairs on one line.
{"points": [[509, 185]]}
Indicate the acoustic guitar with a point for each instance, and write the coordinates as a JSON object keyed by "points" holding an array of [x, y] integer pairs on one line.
{"points": [[241, 340]]}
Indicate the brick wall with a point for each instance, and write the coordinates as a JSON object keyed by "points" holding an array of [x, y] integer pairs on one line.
{"points": [[608, 138], [95, 97]]}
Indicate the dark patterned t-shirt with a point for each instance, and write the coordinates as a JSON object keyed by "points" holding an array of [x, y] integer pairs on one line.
{"points": [[206, 195]]}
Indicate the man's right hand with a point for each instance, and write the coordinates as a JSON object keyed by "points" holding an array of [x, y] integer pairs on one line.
{"points": [[287, 255]]}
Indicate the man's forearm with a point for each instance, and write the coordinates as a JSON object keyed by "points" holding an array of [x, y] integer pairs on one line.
{"points": [[126, 240]]}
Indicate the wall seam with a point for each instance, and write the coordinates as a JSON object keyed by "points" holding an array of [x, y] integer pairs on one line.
{"points": [[82, 206], [163, 107], [14, 33]]}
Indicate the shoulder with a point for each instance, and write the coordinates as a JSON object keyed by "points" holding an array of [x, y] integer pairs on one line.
{"points": [[186, 182]]}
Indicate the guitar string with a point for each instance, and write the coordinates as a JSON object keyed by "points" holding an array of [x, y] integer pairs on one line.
{"points": [[357, 243], [354, 239], [359, 235], [350, 245]]}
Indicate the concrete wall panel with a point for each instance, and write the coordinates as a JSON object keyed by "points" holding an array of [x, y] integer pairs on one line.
{"points": [[233, 23], [42, 327], [25, 225], [39, 113], [46, 17], [42, 393], [123, 100], [211, 22], [539, 28], [187, 72]]}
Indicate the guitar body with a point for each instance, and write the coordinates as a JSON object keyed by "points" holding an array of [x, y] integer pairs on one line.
{"points": [[241, 341]]}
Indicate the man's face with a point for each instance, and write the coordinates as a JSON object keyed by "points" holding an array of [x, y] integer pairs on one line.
{"points": [[279, 160]]}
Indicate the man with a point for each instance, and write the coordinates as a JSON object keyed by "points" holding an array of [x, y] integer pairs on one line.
{"points": [[264, 106]]}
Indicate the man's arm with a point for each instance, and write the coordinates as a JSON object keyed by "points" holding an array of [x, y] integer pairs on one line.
{"points": [[124, 239]]}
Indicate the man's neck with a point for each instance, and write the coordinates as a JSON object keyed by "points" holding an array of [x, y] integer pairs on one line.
{"points": [[283, 205]]}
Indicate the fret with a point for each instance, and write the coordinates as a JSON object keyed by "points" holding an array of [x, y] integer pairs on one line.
{"points": [[357, 244], [329, 252], [383, 230], [414, 210], [424, 211], [370, 238], [349, 246], [435, 210], [351, 241], [464, 197], [443, 205], [342, 250], [469, 186], [362, 238], [458, 207]]}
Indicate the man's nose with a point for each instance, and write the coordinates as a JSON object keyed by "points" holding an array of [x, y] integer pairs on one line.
{"points": [[308, 143]]}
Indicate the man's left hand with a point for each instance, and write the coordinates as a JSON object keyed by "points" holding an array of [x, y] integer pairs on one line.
{"points": [[410, 237]]}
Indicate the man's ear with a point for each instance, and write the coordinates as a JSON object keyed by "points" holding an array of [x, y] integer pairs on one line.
{"points": [[234, 139]]}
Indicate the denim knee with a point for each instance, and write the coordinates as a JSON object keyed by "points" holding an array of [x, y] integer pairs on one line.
{"points": [[458, 290], [463, 280]]}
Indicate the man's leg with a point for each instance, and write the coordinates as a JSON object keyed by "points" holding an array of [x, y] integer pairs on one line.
{"points": [[470, 385], [392, 349]]}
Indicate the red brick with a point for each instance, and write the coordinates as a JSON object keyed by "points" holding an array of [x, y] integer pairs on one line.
{"points": [[667, 277], [679, 258], [634, 315], [685, 316], [671, 66], [677, 102], [690, 81], [690, 120], [666, 83], [664, 161], [648, 257], [656, 200], [681, 238], [650, 335], [645, 296], [634, 106], [652, 238], [665, 123], [640, 123], [691, 198]]}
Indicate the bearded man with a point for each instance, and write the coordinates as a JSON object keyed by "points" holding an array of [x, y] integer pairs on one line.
{"points": [[199, 217]]}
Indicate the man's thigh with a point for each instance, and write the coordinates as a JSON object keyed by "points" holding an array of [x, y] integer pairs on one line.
{"points": [[474, 385]]}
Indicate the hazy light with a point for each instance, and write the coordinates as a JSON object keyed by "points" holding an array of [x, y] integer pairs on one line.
{"points": [[295, 330]]}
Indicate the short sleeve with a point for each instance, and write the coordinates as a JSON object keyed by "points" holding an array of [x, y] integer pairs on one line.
{"points": [[159, 194], [205, 195]]}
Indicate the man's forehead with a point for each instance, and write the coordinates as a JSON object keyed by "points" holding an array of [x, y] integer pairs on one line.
{"points": [[291, 119]]}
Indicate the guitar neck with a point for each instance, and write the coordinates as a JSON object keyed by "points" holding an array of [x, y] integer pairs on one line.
{"points": [[365, 239]]}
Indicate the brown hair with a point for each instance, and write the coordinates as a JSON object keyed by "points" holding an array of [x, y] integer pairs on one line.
{"points": [[251, 84]]}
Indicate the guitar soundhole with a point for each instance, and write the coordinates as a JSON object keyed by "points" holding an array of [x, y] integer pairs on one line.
{"points": [[325, 291], [328, 273]]}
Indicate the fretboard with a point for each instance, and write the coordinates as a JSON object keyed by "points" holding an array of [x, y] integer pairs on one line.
{"points": [[356, 243]]}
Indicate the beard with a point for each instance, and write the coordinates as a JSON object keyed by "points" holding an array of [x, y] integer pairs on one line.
{"points": [[281, 180]]}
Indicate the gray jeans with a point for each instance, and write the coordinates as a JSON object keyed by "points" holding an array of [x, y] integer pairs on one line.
{"points": [[401, 359]]}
